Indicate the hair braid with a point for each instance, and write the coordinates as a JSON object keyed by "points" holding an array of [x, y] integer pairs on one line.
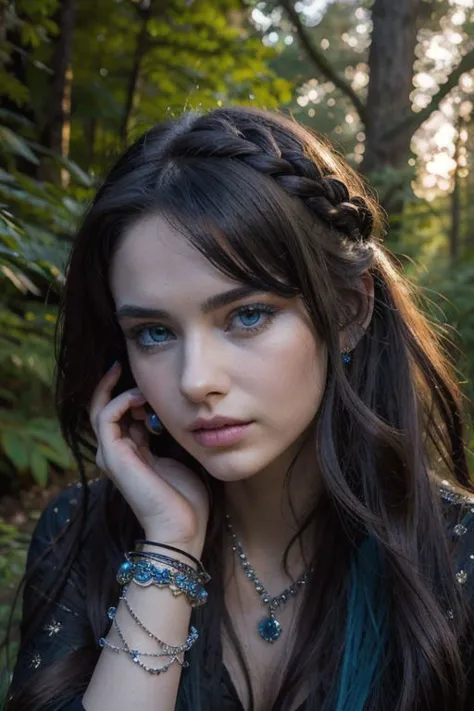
{"points": [[326, 196]]}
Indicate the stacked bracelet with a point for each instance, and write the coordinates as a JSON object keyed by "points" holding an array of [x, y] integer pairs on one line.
{"points": [[182, 580], [200, 570], [179, 577], [172, 563], [166, 546], [168, 650]]}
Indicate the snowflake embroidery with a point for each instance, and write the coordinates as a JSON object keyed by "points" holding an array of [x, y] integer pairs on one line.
{"points": [[35, 661], [53, 628]]}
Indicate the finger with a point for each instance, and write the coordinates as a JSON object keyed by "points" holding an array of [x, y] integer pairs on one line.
{"points": [[103, 392], [99, 460], [139, 435], [109, 417], [138, 413]]}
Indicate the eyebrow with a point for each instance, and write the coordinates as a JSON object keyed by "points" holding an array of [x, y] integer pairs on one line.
{"points": [[210, 304]]}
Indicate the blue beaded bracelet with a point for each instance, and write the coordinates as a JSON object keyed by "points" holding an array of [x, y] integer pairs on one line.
{"points": [[201, 575], [144, 574]]}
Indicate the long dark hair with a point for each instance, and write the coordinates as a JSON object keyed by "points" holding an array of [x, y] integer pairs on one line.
{"points": [[273, 205]]}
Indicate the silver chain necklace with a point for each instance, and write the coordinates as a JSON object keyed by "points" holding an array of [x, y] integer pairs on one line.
{"points": [[268, 628]]}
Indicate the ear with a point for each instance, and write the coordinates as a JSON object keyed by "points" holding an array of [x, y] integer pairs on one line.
{"points": [[350, 336]]}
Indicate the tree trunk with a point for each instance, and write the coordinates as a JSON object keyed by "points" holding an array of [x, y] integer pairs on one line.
{"points": [[55, 133], [455, 232], [469, 191], [140, 50], [90, 133], [66, 127], [391, 59]]}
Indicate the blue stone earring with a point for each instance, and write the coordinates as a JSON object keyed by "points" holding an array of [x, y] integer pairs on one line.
{"points": [[153, 423], [346, 356]]}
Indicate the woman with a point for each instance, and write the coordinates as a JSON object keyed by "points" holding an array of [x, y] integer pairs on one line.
{"points": [[278, 417]]}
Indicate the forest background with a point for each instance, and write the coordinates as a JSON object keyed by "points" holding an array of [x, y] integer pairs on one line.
{"points": [[391, 83]]}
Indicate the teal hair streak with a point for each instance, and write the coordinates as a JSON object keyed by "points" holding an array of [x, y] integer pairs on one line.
{"points": [[366, 632]]}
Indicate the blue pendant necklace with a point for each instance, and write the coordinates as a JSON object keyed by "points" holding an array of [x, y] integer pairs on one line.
{"points": [[268, 628]]}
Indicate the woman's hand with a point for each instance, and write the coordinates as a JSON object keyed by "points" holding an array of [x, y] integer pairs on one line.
{"points": [[168, 499]]}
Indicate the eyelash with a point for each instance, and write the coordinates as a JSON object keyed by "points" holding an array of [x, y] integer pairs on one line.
{"points": [[135, 333]]}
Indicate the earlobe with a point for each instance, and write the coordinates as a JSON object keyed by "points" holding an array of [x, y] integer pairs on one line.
{"points": [[352, 334], [346, 355], [368, 285]]}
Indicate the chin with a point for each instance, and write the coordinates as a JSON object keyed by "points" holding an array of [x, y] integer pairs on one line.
{"points": [[236, 465], [231, 475]]}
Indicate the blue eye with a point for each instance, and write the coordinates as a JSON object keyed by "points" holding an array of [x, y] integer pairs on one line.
{"points": [[255, 316], [247, 320], [151, 336], [250, 315]]}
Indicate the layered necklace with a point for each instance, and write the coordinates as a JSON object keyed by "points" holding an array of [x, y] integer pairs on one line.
{"points": [[269, 628]]}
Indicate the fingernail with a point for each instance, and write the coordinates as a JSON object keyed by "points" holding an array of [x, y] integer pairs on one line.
{"points": [[136, 393], [114, 366]]}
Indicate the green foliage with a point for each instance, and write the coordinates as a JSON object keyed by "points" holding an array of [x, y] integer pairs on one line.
{"points": [[33, 444], [27, 25], [15, 542], [194, 55], [447, 289], [13, 549], [34, 245], [450, 293]]}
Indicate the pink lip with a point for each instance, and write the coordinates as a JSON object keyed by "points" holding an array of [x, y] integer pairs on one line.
{"points": [[212, 424], [221, 436]]}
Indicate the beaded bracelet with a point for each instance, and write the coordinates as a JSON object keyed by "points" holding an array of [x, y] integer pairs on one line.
{"points": [[177, 565], [138, 557], [144, 574], [201, 573], [170, 562]]}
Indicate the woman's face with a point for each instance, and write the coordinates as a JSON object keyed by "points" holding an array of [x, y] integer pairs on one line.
{"points": [[255, 358]]}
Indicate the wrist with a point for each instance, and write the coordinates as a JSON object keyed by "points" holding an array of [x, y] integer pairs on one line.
{"points": [[193, 547]]}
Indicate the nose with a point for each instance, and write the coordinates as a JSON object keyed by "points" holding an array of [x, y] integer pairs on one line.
{"points": [[203, 370]]}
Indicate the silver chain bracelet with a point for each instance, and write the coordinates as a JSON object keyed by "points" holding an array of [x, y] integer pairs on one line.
{"points": [[168, 649]]}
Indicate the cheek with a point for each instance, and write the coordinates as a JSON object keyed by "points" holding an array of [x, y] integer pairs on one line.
{"points": [[156, 388], [290, 378], [303, 383]]}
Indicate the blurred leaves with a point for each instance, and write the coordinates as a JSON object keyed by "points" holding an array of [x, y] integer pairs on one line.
{"points": [[36, 222]]}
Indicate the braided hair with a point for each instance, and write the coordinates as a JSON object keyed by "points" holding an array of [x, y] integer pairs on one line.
{"points": [[254, 144]]}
